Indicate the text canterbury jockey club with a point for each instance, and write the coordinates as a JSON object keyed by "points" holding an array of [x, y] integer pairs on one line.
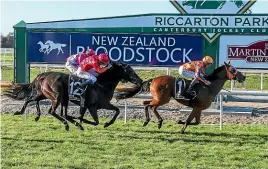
{"points": [[212, 24]]}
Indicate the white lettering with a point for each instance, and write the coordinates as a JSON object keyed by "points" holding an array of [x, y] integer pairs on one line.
{"points": [[124, 42], [157, 55], [142, 56], [95, 41], [172, 55], [185, 55], [112, 56], [80, 49], [125, 54]]}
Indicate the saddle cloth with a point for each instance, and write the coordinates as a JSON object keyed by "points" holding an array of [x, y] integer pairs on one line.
{"points": [[75, 88], [181, 86]]}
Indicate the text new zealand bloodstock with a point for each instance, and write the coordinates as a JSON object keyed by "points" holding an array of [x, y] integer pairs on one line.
{"points": [[134, 49]]}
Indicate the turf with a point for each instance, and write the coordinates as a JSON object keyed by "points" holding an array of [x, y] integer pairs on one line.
{"points": [[46, 144], [6, 58]]}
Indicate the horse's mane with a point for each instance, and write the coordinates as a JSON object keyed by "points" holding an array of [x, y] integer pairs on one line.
{"points": [[213, 75], [110, 72]]}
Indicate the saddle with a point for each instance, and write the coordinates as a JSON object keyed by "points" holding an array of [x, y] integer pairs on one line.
{"points": [[181, 86]]}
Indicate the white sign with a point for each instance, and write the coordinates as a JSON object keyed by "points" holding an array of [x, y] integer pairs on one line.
{"points": [[244, 51]]}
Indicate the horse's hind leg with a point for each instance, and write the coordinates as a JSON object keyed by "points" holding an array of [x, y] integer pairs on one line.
{"points": [[191, 116], [160, 120], [70, 118], [147, 115], [27, 101], [41, 97], [117, 112], [38, 111], [155, 104], [52, 111], [146, 110], [55, 98]]}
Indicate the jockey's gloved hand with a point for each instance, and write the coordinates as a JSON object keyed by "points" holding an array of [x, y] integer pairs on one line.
{"points": [[108, 66], [73, 62], [207, 82]]}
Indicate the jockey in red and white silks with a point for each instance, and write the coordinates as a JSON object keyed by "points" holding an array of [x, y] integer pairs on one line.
{"points": [[73, 61]]}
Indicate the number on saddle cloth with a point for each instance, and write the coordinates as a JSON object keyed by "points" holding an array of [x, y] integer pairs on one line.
{"points": [[180, 88], [75, 88]]}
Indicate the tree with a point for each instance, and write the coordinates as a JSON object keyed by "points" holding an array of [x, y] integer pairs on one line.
{"points": [[7, 41]]}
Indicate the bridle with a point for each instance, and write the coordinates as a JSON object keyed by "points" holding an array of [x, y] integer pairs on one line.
{"points": [[231, 72]]}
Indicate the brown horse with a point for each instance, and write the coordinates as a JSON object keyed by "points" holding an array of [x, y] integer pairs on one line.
{"points": [[162, 88]]}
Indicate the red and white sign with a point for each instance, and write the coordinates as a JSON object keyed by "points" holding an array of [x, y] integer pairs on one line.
{"points": [[252, 53], [244, 51]]}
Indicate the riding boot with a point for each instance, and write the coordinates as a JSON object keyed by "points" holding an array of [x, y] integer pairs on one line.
{"points": [[85, 83], [191, 87]]}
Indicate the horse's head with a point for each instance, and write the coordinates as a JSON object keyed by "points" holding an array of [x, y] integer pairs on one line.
{"points": [[39, 42], [227, 72], [233, 73], [126, 73]]}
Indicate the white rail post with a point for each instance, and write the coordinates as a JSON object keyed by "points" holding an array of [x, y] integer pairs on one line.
{"points": [[25, 115], [167, 71], [46, 68], [261, 81], [232, 85], [221, 112], [125, 111]]}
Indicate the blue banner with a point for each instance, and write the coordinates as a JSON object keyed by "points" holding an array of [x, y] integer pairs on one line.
{"points": [[134, 49]]}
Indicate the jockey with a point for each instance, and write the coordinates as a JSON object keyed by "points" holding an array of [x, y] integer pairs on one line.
{"points": [[196, 71], [74, 61], [92, 66]]}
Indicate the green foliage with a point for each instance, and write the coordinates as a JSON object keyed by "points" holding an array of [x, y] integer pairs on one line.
{"points": [[46, 144]]}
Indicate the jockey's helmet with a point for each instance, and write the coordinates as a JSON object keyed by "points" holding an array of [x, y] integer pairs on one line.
{"points": [[208, 60], [90, 52], [104, 58]]}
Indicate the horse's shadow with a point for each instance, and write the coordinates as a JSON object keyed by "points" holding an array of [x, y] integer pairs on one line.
{"points": [[192, 137]]}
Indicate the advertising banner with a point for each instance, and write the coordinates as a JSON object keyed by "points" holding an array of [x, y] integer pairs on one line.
{"points": [[245, 51], [134, 49]]}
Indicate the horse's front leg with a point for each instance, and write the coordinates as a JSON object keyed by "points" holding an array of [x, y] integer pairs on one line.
{"points": [[117, 112]]}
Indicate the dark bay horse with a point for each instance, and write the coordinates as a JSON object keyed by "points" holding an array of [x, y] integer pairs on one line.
{"points": [[162, 88], [54, 86]]}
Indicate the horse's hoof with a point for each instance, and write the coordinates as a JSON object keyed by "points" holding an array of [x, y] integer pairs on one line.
{"points": [[180, 122], [80, 127], [106, 125], [145, 123], [37, 118], [17, 113], [67, 127], [182, 131], [159, 126]]}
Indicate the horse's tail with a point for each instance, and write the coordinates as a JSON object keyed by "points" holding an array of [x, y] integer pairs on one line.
{"points": [[19, 91], [144, 87], [22, 91], [62, 45]]}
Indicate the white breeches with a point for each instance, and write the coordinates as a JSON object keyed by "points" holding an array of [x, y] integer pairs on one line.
{"points": [[72, 68], [86, 75], [187, 73]]}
